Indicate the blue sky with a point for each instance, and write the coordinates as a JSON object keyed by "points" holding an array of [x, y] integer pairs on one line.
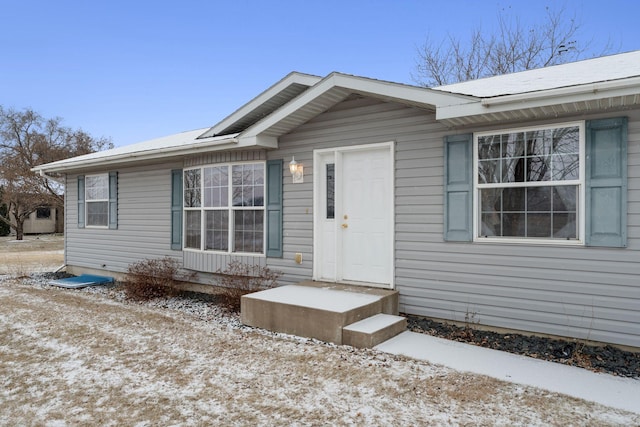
{"points": [[137, 70]]}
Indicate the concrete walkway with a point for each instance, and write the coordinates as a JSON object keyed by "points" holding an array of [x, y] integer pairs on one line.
{"points": [[609, 390]]}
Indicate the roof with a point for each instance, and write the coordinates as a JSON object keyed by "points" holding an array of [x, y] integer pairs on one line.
{"points": [[603, 69], [154, 148], [610, 82]]}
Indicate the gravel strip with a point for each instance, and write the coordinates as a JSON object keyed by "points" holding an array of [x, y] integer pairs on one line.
{"points": [[606, 358]]}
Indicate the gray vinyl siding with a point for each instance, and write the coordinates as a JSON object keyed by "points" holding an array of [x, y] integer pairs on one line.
{"points": [[144, 221], [583, 292]]}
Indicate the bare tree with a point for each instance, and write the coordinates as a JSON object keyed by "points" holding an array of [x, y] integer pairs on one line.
{"points": [[28, 140], [513, 47]]}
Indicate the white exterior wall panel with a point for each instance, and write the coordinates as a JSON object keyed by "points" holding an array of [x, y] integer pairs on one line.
{"points": [[576, 291]]}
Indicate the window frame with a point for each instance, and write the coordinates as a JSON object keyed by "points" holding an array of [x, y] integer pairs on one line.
{"points": [[228, 208], [580, 183], [88, 201], [39, 217]]}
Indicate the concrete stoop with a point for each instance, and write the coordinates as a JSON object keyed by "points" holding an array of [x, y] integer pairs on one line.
{"points": [[374, 330], [360, 316]]}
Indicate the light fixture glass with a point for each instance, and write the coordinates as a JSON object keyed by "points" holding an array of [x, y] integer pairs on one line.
{"points": [[297, 171], [293, 166]]}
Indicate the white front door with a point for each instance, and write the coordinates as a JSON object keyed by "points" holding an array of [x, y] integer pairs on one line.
{"points": [[354, 216]]}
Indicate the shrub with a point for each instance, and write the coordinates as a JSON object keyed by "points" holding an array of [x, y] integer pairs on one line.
{"points": [[153, 278], [240, 279]]}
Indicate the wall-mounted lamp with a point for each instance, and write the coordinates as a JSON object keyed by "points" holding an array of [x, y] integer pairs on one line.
{"points": [[297, 171]]}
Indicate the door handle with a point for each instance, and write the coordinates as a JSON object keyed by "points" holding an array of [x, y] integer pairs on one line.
{"points": [[345, 225]]}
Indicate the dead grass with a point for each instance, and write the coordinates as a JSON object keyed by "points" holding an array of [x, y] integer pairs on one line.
{"points": [[32, 243], [83, 359], [34, 254]]}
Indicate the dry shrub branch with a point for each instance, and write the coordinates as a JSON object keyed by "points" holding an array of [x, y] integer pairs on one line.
{"points": [[154, 278], [240, 279]]}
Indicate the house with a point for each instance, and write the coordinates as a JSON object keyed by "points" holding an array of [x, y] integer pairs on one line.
{"points": [[511, 201]]}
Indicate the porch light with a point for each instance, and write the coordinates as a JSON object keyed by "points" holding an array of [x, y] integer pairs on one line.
{"points": [[297, 171]]}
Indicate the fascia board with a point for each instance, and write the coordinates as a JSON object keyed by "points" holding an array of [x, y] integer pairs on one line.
{"points": [[161, 153], [596, 90], [374, 88], [291, 78], [258, 141], [559, 96], [400, 92]]}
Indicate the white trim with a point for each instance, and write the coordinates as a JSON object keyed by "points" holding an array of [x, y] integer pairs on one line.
{"points": [[129, 153], [530, 100], [581, 183], [319, 156]]}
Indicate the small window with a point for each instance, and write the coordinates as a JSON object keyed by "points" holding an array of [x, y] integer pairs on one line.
{"points": [[529, 183], [97, 200], [43, 213], [331, 190]]}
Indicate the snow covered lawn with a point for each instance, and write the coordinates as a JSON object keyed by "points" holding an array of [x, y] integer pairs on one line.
{"points": [[71, 357]]}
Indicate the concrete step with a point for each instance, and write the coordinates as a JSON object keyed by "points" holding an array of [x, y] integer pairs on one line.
{"points": [[315, 309], [370, 332]]}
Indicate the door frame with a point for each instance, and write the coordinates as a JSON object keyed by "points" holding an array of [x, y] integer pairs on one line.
{"points": [[318, 156]]}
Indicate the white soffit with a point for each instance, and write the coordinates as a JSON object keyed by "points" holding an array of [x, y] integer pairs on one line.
{"points": [[264, 104]]}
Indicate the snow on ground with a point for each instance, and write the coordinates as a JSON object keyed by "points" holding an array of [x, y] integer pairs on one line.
{"points": [[88, 357]]}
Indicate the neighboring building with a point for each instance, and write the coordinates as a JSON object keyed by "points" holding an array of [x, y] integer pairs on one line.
{"points": [[511, 201], [42, 221]]}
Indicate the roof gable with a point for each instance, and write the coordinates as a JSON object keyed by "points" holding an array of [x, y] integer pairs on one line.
{"points": [[335, 88], [264, 104]]}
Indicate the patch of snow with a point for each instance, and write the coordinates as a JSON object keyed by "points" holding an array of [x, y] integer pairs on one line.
{"points": [[606, 68], [373, 323], [318, 298]]}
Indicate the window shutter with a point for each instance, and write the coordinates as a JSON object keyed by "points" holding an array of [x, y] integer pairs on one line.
{"points": [[606, 182], [113, 200], [274, 208], [80, 201], [176, 209], [458, 188]]}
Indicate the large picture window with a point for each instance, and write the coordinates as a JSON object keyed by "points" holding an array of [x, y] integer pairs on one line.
{"points": [[97, 200], [224, 208], [529, 183]]}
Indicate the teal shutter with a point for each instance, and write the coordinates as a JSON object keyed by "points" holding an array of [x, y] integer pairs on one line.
{"points": [[274, 208], [80, 201], [606, 183], [176, 209], [113, 200], [458, 188]]}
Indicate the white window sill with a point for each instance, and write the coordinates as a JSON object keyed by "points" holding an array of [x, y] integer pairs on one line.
{"points": [[519, 241], [224, 253]]}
